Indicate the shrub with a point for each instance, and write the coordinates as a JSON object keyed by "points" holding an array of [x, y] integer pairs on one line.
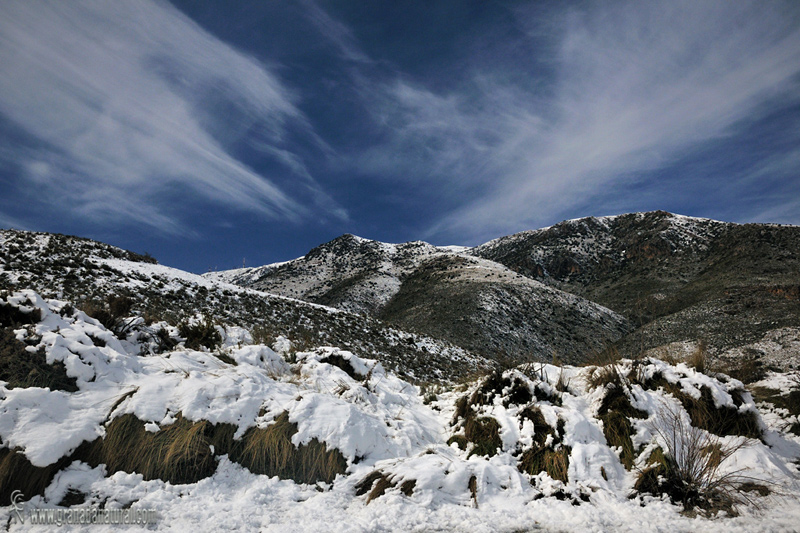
{"points": [[201, 334], [113, 313], [687, 467], [21, 368]]}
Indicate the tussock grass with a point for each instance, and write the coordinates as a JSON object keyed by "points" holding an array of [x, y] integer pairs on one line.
{"points": [[22, 369], [200, 335], [365, 485], [11, 316], [340, 362], [554, 462], [551, 458], [616, 411], [699, 359], [722, 421], [618, 429], [484, 433], [17, 473], [270, 451], [472, 485], [185, 451], [688, 468], [378, 482], [407, 487], [178, 453]]}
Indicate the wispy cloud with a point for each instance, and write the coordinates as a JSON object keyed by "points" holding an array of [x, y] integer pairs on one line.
{"points": [[638, 86], [133, 105], [9, 222]]}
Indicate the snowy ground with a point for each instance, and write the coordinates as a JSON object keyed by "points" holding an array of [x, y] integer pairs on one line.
{"points": [[379, 423]]}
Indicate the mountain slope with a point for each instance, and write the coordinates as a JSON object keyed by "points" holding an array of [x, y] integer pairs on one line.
{"points": [[445, 293], [680, 278], [89, 274]]}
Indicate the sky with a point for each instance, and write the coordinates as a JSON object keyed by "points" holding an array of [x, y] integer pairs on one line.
{"points": [[216, 134]]}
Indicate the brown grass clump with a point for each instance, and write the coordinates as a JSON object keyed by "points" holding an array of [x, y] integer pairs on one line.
{"points": [[13, 317], [616, 411], [17, 473], [340, 362], [365, 485], [699, 358], [407, 487], [618, 429], [472, 485], [484, 434], [184, 451], [604, 376], [554, 462], [200, 335], [553, 458], [178, 453], [270, 451], [722, 421]]}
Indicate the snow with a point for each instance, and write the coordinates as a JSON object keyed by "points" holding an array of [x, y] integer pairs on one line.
{"points": [[378, 422]]}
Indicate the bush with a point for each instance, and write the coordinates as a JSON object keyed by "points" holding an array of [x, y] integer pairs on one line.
{"points": [[201, 334], [113, 313], [21, 368], [687, 467]]}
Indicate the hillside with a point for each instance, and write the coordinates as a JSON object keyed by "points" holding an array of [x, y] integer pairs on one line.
{"points": [[680, 278], [443, 292], [251, 438], [90, 274]]}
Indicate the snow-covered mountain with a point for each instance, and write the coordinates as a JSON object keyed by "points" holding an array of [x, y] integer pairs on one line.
{"points": [[444, 292], [638, 281], [86, 272], [128, 388], [679, 278]]}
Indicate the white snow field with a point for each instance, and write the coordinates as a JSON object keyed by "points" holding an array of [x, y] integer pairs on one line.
{"points": [[384, 428]]}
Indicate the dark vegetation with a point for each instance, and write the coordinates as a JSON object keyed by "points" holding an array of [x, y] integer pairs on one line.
{"points": [[22, 368], [728, 284], [182, 452]]}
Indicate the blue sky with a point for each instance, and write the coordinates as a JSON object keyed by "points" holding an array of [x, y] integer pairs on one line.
{"points": [[215, 133]]}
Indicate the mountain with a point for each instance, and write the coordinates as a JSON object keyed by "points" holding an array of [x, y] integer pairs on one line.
{"points": [[139, 393], [677, 278], [446, 293], [92, 275]]}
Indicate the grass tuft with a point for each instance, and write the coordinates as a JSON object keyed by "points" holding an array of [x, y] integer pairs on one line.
{"points": [[21, 368], [270, 451]]}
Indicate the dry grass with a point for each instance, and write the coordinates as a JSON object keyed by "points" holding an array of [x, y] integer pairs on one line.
{"points": [[618, 429], [200, 335], [699, 359], [706, 415], [270, 451], [688, 467], [484, 434], [185, 451], [178, 453], [472, 485], [17, 473], [603, 376], [554, 462]]}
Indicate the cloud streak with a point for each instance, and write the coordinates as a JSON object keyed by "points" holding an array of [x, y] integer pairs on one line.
{"points": [[134, 105], [638, 86]]}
